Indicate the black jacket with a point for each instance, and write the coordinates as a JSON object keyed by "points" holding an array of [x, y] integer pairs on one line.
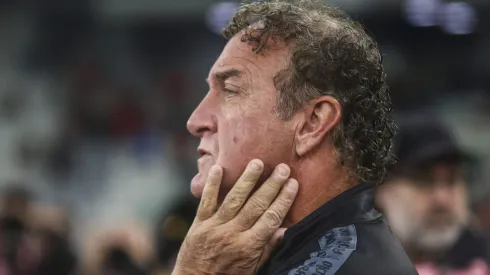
{"points": [[346, 236], [472, 245]]}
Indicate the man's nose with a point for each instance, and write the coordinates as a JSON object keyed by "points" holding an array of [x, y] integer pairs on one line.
{"points": [[202, 119]]}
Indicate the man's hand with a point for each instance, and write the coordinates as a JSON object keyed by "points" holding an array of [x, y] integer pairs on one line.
{"points": [[238, 237]]}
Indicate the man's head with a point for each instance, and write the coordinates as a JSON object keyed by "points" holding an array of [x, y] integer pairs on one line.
{"points": [[296, 81], [425, 198]]}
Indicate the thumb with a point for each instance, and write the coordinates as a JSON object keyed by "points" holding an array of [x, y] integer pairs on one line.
{"points": [[274, 241]]}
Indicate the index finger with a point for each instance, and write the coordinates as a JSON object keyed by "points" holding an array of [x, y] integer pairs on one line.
{"points": [[209, 198], [235, 199]]}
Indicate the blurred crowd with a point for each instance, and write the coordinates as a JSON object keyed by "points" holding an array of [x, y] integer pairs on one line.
{"points": [[95, 159], [35, 239]]}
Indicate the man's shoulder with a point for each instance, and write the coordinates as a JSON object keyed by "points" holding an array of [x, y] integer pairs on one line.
{"points": [[335, 248], [365, 248]]}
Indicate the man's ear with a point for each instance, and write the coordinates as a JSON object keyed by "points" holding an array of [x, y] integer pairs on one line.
{"points": [[320, 116]]}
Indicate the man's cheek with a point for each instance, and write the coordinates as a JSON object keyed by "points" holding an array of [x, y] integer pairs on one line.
{"points": [[233, 165]]}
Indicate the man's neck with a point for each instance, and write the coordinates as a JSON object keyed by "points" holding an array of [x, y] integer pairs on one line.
{"points": [[319, 182]]}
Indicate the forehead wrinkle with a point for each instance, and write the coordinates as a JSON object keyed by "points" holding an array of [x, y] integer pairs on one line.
{"points": [[246, 69], [259, 69], [249, 71]]}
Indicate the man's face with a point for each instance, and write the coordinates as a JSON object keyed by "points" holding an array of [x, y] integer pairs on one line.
{"points": [[237, 120], [429, 212]]}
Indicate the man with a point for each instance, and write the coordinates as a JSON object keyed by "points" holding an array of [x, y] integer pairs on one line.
{"points": [[426, 203], [301, 87]]}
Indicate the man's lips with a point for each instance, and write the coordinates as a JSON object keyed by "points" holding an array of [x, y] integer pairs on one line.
{"points": [[202, 152], [204, 158]]}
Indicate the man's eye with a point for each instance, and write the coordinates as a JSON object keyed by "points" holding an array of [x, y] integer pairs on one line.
{"points": [[229, 91]]}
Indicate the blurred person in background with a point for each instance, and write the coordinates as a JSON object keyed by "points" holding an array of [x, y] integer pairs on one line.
{"points": [[482, 209], [172, 231], [125, 250], [425, 200], [300, 86], [53, 232], [33, 239], [18, 255]]}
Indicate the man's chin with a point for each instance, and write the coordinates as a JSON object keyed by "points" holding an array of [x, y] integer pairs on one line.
{"points": [[197, 185], [439, 239]]}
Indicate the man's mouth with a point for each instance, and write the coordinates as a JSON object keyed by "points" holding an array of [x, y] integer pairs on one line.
{"points": [[441, 219], [203, 160], [202, 152]]}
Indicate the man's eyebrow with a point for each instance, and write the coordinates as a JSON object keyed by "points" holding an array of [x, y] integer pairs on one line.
{"points": [[223, 75]]}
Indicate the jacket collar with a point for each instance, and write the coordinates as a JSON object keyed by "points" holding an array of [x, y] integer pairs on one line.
{"points": [[356, 205]]}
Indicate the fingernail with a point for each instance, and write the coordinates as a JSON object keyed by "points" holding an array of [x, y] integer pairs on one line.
{"points": [[255, 165], [283, 170]]}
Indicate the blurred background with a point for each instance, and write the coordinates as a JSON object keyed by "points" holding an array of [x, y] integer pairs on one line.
{"points": [[95, 95]]}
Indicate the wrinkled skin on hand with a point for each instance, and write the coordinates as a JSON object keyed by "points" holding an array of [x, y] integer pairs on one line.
{"points": [[238, 236]]}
